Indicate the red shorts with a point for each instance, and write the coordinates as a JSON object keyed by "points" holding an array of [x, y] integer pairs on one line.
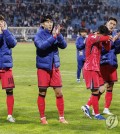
{"points": [[49, 78], [109, 73], [93, 79], [6, 78]]}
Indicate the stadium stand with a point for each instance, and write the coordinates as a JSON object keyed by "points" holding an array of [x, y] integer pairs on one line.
{"points": [[71, 14]]}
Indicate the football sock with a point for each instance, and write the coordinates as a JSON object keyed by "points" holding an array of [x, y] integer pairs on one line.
{"points": [[41, 105], [89, 103], [108, 98], [10, 104], [95, 103], [60, 105]]}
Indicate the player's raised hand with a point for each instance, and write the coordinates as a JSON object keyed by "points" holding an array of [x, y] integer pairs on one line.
{"points": [[54, 32], [111, 38], [118, 34], [0, 30], [116, 37], [3, 25], [58, 29]]}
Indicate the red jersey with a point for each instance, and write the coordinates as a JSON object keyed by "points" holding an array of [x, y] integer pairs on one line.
{"points": [[93, 49]]}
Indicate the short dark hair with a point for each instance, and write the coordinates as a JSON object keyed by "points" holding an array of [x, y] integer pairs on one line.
{"points": [[2, 17], [45, 18], [83, 30], [103, 30], [112, 18]]}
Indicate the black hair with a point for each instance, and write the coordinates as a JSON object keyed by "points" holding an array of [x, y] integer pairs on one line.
{"points": [[82, 30], [112, 18], [103, 30], [46, 17]]}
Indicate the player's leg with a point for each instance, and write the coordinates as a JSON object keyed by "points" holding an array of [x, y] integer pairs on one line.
{"points": [[41, 105], [60, 104], [56, 83], [43, 84], [93, 81], [8, 85], [85, 108], [109, 74], [101, 91], [108, 98], [95, 104], [79, 67], [10, 104]]}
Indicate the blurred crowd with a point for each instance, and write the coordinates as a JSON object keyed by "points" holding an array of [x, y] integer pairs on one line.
{"points": [[71, 14]]}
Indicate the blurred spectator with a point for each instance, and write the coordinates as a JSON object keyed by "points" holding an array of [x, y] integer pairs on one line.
{"points": [[74, 13]]}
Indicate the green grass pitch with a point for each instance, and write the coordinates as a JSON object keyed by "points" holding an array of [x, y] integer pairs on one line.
{"points": [[75, 95]]}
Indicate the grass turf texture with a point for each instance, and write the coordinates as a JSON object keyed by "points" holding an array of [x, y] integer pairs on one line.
{"points": [[75, 94]]}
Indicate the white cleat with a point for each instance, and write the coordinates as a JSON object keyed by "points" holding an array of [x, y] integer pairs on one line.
{"points": [[10, 118], [86, 111], [78, 80], [107, 111]]}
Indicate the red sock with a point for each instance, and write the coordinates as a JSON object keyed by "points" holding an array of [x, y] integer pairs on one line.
{"points": [[10, 104], [95, 103], [108, 98], [89, 103], [60, 105], [41, 106]]}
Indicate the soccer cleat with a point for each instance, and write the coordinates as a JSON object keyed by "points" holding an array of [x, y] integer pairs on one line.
{"points": [[62, 120], [44, 121], [86, 111], [107, 111], [10, 118], [99, 117], [78, 80]]}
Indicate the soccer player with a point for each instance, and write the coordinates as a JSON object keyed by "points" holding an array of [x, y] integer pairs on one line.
{"points": [[80, 48], [7, 42], [47, 41], [109, 63], [91, 69]]}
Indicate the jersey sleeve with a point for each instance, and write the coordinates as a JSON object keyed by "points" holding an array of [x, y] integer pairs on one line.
{"points": [[96, 39]]}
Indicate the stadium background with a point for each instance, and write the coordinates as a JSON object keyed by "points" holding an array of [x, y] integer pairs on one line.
{"points": [[71, 14], [23, 19]]}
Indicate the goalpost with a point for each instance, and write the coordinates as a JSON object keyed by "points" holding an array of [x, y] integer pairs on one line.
{"points": [[24, 33]]}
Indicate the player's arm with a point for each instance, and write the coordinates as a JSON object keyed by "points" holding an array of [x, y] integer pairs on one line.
{"points": [[60, 42], [9, 38], [116, 37], [42, 43], [99, 38], [103, 38]]}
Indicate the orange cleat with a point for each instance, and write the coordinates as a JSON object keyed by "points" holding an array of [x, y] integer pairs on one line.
{"points": [[44, 121]]}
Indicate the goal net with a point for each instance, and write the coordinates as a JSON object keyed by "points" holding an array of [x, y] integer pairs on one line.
{"points": [[24, 33]]}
